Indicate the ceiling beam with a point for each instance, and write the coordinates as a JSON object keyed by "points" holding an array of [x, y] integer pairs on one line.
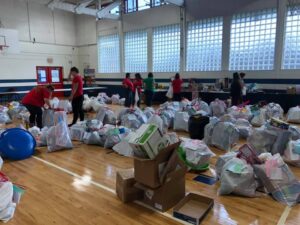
{"points": [[82, 8], [175, 2]]}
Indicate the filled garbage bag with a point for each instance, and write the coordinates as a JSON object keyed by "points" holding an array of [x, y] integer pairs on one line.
{"points": [[4, 118], [221, 161], [7, 207], [224, 136], [110, 117], [199, 105], [237, 177], [42, 140], [149, 111], [65, 105], [113, 137], [274, 110], [262, 140], [181, 121], [123, 147], [93, 125], [77, 132], [91, 138], [115, 99], [259, 117], [59, 138], [131, 121], [218, 108], [197, 153], [60, 116], [156, 120], [48, 118], [240, 112], [292, 153], [278, 180], [293, 115], [208, 130], [86, 103], [244, 127]]}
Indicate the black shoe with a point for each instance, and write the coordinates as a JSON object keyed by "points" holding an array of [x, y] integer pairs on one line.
{"points": [[70, 125]]}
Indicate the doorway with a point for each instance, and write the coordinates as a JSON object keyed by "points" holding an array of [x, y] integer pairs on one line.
{"points": [[51, 75]]}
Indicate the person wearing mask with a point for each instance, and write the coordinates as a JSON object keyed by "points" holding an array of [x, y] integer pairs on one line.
{"points": [[34, 101], [149, 88], [236, 90], [177, 85], [138, 83], [129, 91], [76, 95]]}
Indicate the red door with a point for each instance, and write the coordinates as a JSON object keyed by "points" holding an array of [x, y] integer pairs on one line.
{"points": [[51, 75]]}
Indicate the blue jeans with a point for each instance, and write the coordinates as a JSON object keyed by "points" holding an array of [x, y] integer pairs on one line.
{"points": [[128, 97], [149, 97]]}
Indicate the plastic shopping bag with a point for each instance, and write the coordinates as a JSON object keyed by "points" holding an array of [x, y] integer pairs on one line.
{"points": [[48, 118], [170, 92]]}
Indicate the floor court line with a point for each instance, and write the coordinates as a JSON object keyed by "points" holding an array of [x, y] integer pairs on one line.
{"points": [[284, 215], [107, 189]]}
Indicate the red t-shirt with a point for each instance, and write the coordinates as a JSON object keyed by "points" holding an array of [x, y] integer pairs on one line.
{"points": [[36, 97], [177, 85], [138, 83], [77, 80], [128, 84]]}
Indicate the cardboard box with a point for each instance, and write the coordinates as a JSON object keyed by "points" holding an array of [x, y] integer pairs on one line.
{"points": [[193, 208], [148, 141], [125, 188], [169, 194], [151, 172]]}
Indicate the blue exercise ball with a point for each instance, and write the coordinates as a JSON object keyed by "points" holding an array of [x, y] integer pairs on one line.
{"points": [[16, 144]]}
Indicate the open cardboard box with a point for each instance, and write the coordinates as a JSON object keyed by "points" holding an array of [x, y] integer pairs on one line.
{"points": [[152, 172], [193, 208], [167, 195]]}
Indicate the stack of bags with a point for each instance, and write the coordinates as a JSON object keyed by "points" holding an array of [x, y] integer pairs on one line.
{"points": [[246, 171], [157, 179], [10, 196]]}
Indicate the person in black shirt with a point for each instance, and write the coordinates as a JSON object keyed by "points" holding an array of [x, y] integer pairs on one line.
{"points": [[236, 90]]}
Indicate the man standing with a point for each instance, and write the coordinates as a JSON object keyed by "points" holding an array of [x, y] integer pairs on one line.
{"points": [[76, 95]]}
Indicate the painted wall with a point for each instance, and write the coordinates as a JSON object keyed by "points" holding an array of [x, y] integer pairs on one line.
{"points": [[55, 36], [195, 9]]}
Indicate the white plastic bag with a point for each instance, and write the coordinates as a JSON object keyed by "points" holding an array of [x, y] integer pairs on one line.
{"points": [[48, 118], [197, 152], [237, 177], [124, 148], [181, 121], [170, 92], [91, 138], [156, 120], [7, 207], [244, 127], [60, 116], [54, 103], [224, 136], [77, 132], [274, 110], [292, 153], [293, 115], [115, 99], [65, 105], [218, 108], [59, 138], [136, 97], [259, 117]]}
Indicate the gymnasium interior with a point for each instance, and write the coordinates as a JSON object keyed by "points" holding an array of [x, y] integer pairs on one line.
{"points": [[150, 112]]}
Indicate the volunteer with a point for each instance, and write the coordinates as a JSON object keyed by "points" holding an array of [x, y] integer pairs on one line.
{"points": [[129, 91], [177, 85], [76, 95], [236, 90], [34, 101], [138, 83], [149, 88]]}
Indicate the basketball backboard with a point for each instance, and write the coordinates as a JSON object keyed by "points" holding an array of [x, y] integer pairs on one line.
{"points": [[9, 40]]}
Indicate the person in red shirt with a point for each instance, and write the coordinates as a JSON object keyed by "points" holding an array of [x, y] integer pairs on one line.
{"points": [[76, 95], [129, 91], [177, 84], [138, 83], [34, 101]]}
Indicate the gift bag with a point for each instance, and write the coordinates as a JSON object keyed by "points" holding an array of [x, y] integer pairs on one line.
{"points": [[237, 177]]}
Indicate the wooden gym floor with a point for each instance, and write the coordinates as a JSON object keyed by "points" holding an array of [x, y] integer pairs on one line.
{"points": [[78, 187]]}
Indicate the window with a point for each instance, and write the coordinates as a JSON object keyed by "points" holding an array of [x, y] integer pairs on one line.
{"points": [[143, 4], [291, 52], [131, 6], [166, 48], [109, 54], [252, 44], [135, 44], [204, 45], [115, 11]]}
